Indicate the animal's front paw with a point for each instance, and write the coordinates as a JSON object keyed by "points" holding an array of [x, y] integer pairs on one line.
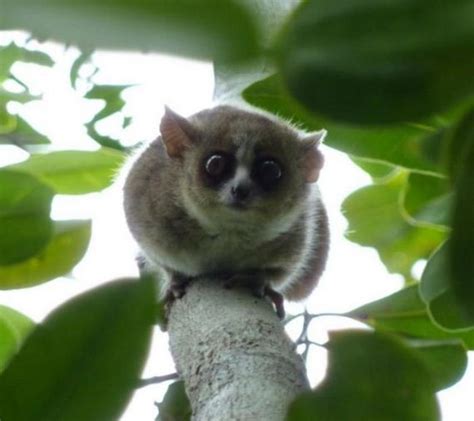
{"points": [[176, 290]]}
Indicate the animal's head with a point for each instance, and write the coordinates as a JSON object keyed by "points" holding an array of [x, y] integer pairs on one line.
{"points": [[239, 165]]}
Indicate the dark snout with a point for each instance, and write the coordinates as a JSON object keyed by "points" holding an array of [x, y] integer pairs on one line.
{"points": [[241, 194]]}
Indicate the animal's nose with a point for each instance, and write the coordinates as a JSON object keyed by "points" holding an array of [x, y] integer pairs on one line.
{"points": [[240, 192]]}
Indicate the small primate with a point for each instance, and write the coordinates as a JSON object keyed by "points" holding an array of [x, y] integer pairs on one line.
{"points": [[230, 194]]}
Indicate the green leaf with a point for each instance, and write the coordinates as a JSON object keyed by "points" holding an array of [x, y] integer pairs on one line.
{"points": [[112, 95], [379, 171], [427, 199], [437, 291], [25, 226], [404, 313], [375, 220], [74, 172], [412, 146], [8, 345], [14, 328], [446, 361], [175, 405], [371, 376], [84, 361], [105, 141], [66, 248], [84, 57], [21, 133], [460, 139], [13, 53], [22, 97], [379, 62], [222, 30], [461, 247]]}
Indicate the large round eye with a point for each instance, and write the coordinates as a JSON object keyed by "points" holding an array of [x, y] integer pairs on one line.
{"points": [[217, 165], [268, 172]]}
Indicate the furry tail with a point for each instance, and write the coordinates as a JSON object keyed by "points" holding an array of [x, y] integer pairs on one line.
{"points": [[302, 287]]}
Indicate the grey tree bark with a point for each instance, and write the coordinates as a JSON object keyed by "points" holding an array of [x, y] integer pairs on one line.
{"points": [[234, 356]]}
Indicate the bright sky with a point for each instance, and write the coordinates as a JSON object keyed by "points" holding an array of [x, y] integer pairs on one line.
{"points": [[354, 275]]}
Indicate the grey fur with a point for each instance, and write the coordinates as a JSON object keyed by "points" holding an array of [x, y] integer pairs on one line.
{"points": [[186, 228]]}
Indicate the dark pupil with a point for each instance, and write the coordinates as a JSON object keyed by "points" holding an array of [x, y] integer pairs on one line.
{"points": [[269, 172], [216, 165]]}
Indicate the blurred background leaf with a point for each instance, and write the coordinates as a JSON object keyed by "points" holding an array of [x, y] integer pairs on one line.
{"points": [[94, 345], [12, 53], [412, 145], [175, 405], [405, 314], [14, 328], [25, 227], [221, 29], [428, 199], [74, 172], [356, 386], [461, 246], [446, 361], [375, 220], [111, 97], [377, 63], [65, 250], [20, 133]]}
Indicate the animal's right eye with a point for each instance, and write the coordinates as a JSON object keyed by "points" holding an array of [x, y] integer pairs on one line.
{"points": [[219, 165]]}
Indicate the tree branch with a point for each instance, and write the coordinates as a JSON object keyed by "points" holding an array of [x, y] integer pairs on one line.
{"points": [[157, 379], [233, 354]]}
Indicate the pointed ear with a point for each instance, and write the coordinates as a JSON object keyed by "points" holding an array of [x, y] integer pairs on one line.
{"points": [[313, 158], [176, 132]]}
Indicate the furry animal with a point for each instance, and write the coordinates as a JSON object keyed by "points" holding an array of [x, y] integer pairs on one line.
{"points": [[230, 193]]}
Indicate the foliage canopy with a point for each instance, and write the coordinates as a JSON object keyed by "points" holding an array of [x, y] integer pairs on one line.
{"points": [[392, 82]]}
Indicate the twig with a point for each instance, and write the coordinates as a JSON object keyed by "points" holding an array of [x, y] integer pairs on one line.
{"points": [[157, 379]]}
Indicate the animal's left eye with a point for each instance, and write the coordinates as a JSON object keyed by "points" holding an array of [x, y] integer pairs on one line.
{"points": [[268, 172]]}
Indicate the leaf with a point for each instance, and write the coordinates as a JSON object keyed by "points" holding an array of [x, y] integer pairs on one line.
{"points": [[8, 345], [74, 172], [404, 313], [112, 95], [437, 291], [25, 226], [447, 362], [21, 133], [460, 140], [22, 97], [428, 199], [83, 362], [375, 220], [66, 249], [461, 247], [371, 376], [231, 80], [105, 141], [208, 29], [412, 146], [379, 62], [175, 405], [113, 103], [14, 328], [379, 171], [13, 53], [83, 58]]}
